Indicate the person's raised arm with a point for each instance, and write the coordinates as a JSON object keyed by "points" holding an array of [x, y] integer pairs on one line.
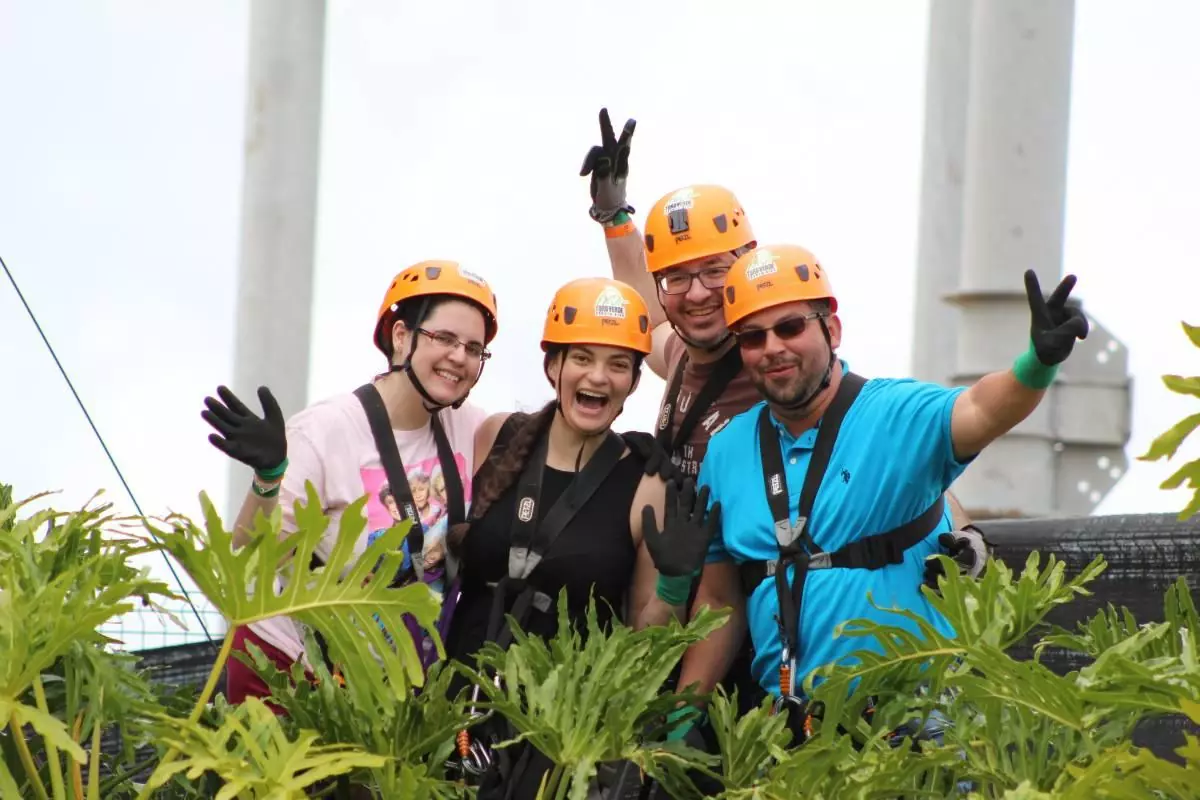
{"points": [[999, 401], [608, 165]]}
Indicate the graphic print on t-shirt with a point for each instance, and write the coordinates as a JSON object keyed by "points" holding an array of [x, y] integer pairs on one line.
{"points": [[428, 491]]}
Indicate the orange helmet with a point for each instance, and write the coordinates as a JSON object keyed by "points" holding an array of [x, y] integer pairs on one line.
{"points": [[772, 275], [435, 278], [694, 222], [598, 311]]}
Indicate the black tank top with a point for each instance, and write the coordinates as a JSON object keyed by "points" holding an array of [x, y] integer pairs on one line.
{"points": [[593, 554]]}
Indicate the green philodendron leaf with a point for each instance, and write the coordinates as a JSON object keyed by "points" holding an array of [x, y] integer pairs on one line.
{"points": [[1193, 333], [253, 755], [47, 726], [1168, 443], [416, 736], [586, 702], [348, 598], [1181, 385]]}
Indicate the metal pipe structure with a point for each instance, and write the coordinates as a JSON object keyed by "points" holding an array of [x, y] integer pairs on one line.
{"points": [[1015, 114], [279, 208], [943, 166]]}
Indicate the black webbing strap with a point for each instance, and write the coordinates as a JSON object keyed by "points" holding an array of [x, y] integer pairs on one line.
{"points": [[393, 467], [722, 375], [532, 534], [796, 544]]}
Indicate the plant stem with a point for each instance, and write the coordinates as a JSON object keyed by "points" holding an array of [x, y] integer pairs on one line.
{"points": [[201, 701], [56, 773], [76, 767], [94, 768], [8, 784], [563, 782], [213, 676], [26, 757]]}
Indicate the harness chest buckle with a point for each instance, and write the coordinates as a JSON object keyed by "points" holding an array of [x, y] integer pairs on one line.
{"points": [[522, 561], [786, 533]]}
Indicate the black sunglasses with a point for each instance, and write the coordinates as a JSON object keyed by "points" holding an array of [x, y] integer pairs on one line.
{"points": [[790, 328]]}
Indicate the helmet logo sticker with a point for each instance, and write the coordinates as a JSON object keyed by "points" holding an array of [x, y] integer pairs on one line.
{"points": [[472, 277], [762, 264], [610, 304], [680, 201], [676, 211]]}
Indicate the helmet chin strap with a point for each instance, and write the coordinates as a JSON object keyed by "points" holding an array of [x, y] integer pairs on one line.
{"points": [[427, 400], [796, 405], [558, 409]]}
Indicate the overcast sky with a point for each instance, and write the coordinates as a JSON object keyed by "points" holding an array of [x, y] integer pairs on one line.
{"points": [[448, 137]]}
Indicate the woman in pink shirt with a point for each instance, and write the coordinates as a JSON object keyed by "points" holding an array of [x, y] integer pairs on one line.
{"points": [[434, 326]]}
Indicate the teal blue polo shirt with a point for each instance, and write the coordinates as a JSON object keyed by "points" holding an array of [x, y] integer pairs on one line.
{"points": [[892, 459]]}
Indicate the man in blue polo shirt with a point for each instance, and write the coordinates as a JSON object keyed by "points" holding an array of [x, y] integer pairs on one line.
{"points": [[801, 559]]}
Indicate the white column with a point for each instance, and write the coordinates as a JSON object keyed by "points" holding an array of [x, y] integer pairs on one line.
{"points": [[943, 166], [1070, 452], [279, 205]]}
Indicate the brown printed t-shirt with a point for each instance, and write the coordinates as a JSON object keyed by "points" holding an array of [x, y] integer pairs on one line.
{"points": [[738, 396]]}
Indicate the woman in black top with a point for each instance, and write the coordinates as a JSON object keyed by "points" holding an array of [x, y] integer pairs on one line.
{"points": [[596, 336]]}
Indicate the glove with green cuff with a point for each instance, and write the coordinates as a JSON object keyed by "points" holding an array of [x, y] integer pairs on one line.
{"points": [[679, 550], [1052, 333]]}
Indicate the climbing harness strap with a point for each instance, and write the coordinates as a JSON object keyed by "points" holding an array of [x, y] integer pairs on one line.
{"points": [[797, 547], [723, 374]]}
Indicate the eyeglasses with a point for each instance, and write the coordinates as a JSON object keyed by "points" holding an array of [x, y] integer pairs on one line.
{"points": [[449, 341], [790, 328], [681, 282]]}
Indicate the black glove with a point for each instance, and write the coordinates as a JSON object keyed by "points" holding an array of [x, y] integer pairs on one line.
{"points": [[969, 547], [608, 164], [658, 460], [1055, 325], [688, 526], [257, 442]]}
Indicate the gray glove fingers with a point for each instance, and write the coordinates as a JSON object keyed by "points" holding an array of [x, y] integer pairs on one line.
{"points": [[701, 506], [222, 445], [671, 505], [271, 410], [714, 516], [590, 160], [687, 498], [607, 139], [235, 405], [1076, 324], [1037, 301], [1058, 298], [626, 136], [217, 411]]}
